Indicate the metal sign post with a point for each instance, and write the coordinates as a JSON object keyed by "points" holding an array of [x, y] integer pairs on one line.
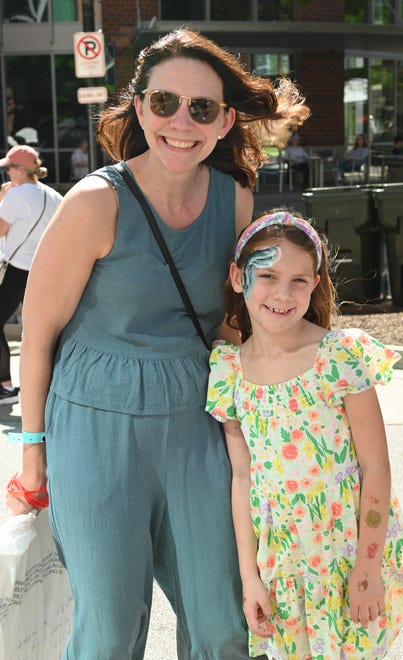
{"points": [[89, 59]]}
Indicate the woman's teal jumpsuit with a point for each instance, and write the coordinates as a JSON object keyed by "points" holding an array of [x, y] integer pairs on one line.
{"points": [[139, 478]]}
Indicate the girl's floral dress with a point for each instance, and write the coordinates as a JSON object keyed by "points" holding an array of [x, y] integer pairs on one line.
{"points": [[305, 490]]}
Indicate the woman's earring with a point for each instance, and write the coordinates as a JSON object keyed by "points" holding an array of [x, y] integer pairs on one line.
{"points": [[219, 136]]}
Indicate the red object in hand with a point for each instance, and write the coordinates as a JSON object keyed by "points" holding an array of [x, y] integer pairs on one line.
{"points": [[38, 499]]}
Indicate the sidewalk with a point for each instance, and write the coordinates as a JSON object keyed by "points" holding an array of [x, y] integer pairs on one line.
{"points": [[162, 634]]}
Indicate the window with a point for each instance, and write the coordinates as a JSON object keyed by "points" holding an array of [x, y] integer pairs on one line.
{"points": [[275, 10], [72, 118], [355, 98], [26, 11], [230, 10], [226, 10], [356, 11], [399, 96], [271, 65], [382, 82], [182, 10]]}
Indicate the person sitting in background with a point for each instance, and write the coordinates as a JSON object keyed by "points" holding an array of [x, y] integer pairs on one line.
{"points": [[395, 161], [79, 161], [397, 146], [297, 158], [354, 158]]}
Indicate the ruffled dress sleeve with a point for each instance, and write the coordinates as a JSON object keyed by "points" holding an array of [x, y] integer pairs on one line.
{"points": [[224, 368], [351, 361]]}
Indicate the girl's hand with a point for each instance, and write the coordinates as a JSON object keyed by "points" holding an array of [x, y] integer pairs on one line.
{"points": [[256, 607], [367, 596]]}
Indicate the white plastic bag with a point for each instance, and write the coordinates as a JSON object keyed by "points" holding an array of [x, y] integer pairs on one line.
{"points": [[35, 597]]}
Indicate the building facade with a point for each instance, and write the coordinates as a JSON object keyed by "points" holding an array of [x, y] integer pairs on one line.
{"points": [[346, 56]]}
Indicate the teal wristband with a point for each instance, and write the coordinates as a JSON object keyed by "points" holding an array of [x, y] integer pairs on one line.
{"points": [[27, 438]]}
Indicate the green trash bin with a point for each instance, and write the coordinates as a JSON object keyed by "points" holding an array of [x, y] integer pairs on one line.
{"points": [[347, 217], [388, 202]]}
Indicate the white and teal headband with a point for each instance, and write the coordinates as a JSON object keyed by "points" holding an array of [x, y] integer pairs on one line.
{"points": [[279, 218]]}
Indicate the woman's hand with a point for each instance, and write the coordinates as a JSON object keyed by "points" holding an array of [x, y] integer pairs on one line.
{"points": [[367, 596], [25, 494], [256, 607]]}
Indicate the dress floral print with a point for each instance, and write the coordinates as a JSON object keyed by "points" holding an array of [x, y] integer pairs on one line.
{"points": [[305, 489]]}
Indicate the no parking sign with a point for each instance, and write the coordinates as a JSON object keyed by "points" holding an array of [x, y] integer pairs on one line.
{"points": [[89, 54]]}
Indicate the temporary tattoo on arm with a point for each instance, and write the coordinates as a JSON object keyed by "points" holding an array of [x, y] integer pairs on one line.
{"points": [[373, 518], [371, 550], [363, 585]]}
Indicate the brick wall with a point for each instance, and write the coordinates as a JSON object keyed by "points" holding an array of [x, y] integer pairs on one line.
{"points": [[119, 25], [320, 77], [320, 10]]}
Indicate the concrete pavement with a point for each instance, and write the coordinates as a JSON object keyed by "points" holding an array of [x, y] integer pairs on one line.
{"points": [[161, 642]]}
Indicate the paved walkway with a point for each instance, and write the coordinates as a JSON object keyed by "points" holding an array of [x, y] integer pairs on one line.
{"points": [[161, 644]]}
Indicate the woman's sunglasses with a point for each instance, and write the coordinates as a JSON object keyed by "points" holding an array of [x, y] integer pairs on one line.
{"points": [[165, 104]]}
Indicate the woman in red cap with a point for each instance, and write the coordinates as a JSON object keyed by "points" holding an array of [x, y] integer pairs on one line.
{"points": [[26, 206]]}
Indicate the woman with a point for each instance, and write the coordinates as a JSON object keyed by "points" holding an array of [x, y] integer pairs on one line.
{"points": [[356, 157], [138, 476], [26, 207], [297, 158]]}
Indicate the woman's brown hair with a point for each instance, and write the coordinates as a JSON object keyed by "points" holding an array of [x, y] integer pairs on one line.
{"points": [[323, 298], [265, 112]]}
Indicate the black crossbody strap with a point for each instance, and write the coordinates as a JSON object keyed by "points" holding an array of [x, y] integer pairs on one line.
{"points": [[131, 183]]}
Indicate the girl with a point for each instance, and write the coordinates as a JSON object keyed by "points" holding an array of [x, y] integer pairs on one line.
{"points": [[318, 535]]}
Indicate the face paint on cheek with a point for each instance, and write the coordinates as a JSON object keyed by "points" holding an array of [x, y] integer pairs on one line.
{"points": [[259, 259]]}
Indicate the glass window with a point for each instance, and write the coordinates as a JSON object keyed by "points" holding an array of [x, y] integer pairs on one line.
{"points": [[65, 10], [355, 98], [72, 124], [26, 11], [269, 65], [230, 10], [28, 80], [72, 117], [399, 96], [275, 10], [382, 117], [182, 10], [383, 12], [356, 11]]}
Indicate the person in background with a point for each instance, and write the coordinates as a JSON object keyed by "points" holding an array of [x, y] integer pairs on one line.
{"points": [[297, 158], [137, 472], [397, 149], [355, 158], [79, 161], [319, 536], [25, 204]]}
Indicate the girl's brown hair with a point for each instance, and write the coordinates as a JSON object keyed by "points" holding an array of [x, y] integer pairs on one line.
{"points": [[265, 113], [323, 298]]}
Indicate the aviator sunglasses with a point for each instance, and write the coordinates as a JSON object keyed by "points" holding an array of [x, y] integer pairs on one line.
{"points": [[166, 104]]}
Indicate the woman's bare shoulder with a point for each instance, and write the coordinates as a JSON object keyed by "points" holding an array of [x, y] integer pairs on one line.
{"points": [[94, 196]]}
